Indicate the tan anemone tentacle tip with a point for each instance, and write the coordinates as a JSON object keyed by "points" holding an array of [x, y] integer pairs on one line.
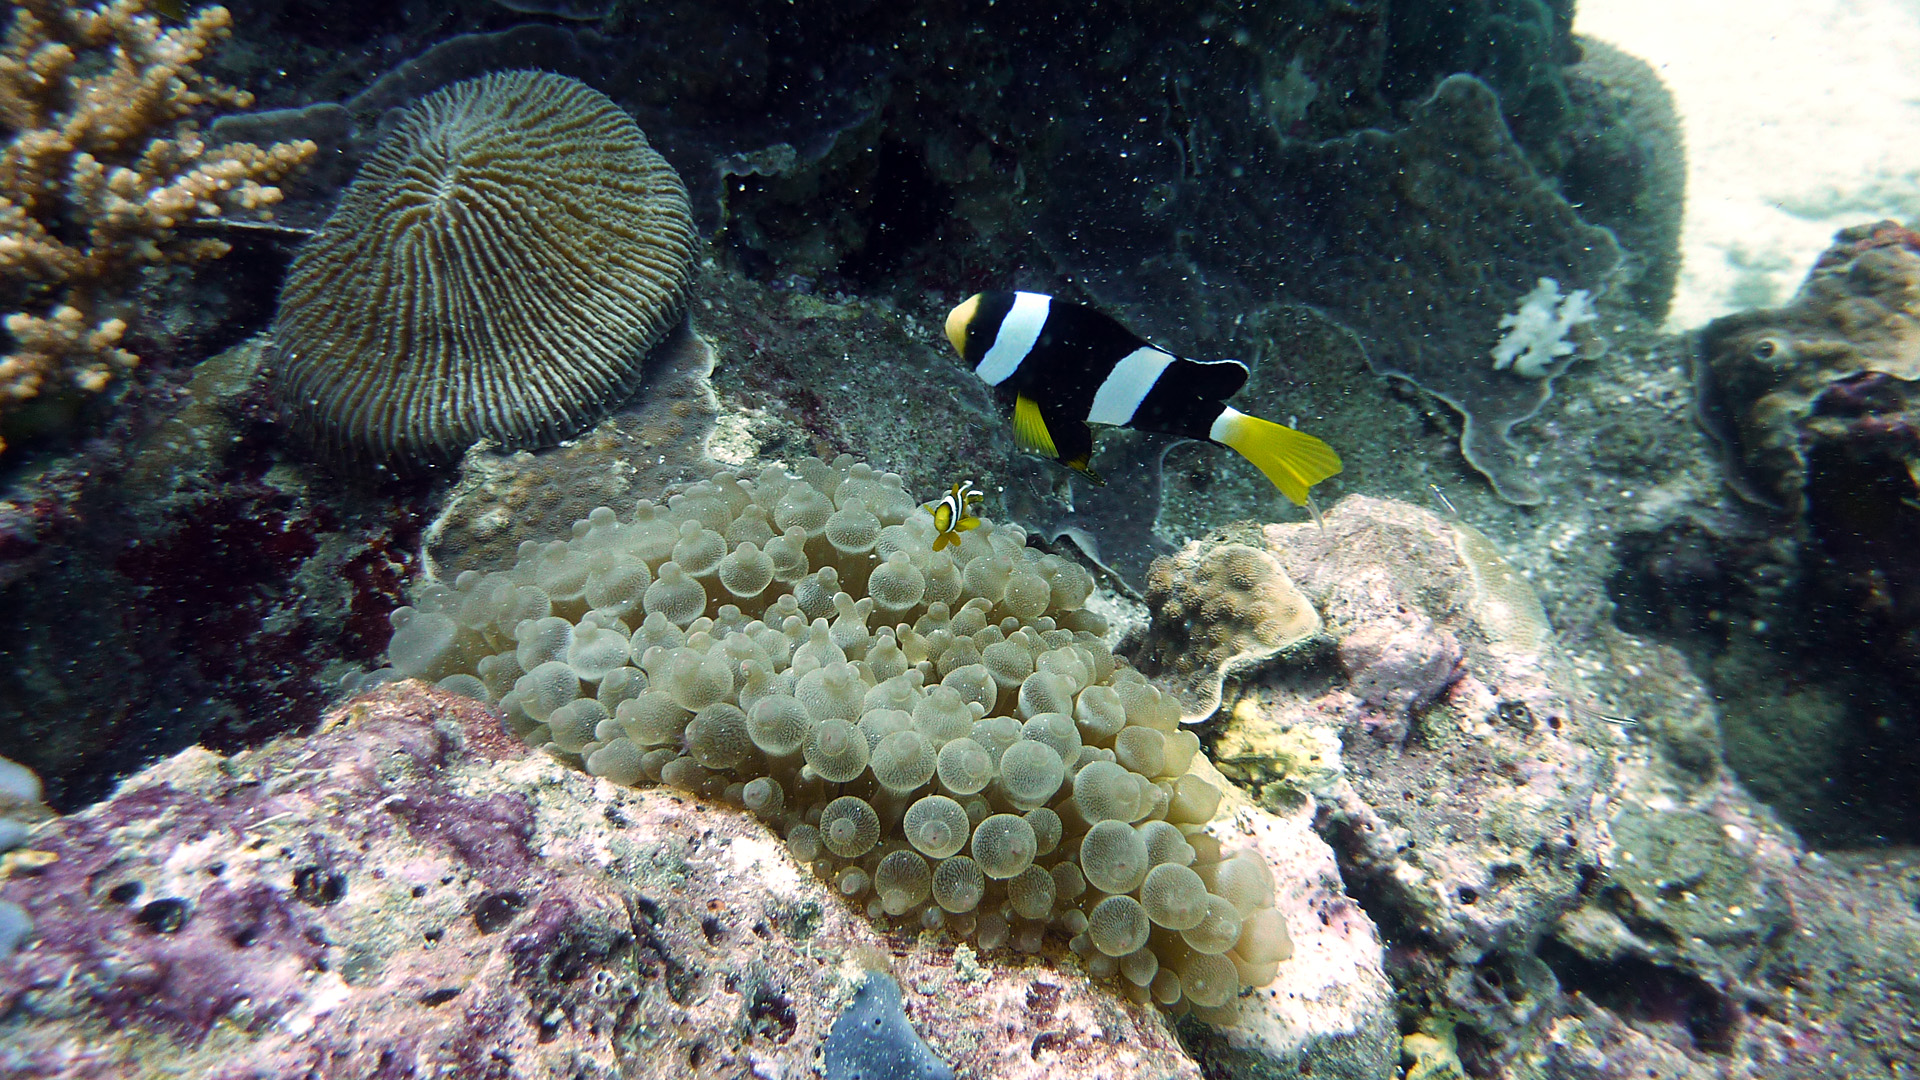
{"points": [[499, 269]]}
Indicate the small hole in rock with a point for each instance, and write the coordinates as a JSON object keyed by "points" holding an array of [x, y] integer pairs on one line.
{"points": [[164, 916], [318, 887], [495, 910]]}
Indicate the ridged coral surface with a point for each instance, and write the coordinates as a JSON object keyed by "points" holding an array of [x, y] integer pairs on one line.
{"points": [[499, 269], [977, 763]]}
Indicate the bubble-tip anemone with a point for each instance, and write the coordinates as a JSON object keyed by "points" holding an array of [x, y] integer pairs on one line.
{"points": [[972, 763]]}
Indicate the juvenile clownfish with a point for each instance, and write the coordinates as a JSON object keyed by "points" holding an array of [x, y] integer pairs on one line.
{"points": [[1069, 366], [953, 514]]}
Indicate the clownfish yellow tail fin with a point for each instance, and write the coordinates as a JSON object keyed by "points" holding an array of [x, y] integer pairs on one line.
{"points": [[1293, 460]]}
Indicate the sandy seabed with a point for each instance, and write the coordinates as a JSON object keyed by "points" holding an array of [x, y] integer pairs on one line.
{"points": [[1800, 119]]}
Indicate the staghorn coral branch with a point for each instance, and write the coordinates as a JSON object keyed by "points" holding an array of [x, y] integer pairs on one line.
{"points": [[99, 172]]}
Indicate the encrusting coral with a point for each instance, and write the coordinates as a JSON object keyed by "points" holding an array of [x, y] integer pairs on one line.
{"points": [[103, 165], [1221, 610], [979, 763]]}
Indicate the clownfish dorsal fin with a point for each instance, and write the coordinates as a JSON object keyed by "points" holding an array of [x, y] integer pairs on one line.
{"points": [[1030, 428]]}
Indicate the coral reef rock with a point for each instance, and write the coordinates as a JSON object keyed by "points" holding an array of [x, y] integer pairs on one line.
{"points": [[1469, 787], [1331, 1013], [1557, 900], [1817, 408], [1719, 946], [412, 886], [516, 245], [1818, 404]]}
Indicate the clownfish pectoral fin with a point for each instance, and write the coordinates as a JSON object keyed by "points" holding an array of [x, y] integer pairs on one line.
{"points": [[1030, 428], [1293, 460], [1083, 466], [1073, 440], [1069, 442]]}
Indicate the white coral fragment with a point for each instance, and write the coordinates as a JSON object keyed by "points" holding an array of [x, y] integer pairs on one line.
{"points": [[1536, 335]]}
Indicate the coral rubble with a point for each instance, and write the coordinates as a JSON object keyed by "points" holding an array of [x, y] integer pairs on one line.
{"points": [[103, 170]]}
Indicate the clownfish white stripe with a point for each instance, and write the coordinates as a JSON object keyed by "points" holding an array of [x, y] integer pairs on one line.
{"points": [[1226, 425], [1124, 388], [1018, 332]]}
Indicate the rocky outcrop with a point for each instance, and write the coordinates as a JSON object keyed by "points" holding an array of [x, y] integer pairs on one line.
{"points": [[413, 888]]}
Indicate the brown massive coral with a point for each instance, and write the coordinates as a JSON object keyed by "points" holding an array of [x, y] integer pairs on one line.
{"points": [[103, 165]]}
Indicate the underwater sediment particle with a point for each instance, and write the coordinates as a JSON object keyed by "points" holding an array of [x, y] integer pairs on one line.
{"points": [[499, 269], [993, 721]]}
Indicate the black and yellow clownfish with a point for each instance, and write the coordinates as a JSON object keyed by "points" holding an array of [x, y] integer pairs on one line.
{"points": [[1069, 366], [954, 514]]}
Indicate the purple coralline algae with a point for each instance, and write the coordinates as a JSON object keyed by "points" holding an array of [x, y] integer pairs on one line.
{"points": [[412, 891]]}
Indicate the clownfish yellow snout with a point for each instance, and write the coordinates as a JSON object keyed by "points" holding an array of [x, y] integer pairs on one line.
{"points": [[957, 321]]}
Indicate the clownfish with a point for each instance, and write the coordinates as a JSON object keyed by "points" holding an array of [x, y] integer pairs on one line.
{"points": [[1070, 366], [954, 514]]}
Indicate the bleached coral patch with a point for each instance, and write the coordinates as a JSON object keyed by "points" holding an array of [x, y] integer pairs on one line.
{"points": [[1536, 335]]}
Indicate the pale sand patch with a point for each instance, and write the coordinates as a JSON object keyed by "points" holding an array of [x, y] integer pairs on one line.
{"points": [[1800, 118]]}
